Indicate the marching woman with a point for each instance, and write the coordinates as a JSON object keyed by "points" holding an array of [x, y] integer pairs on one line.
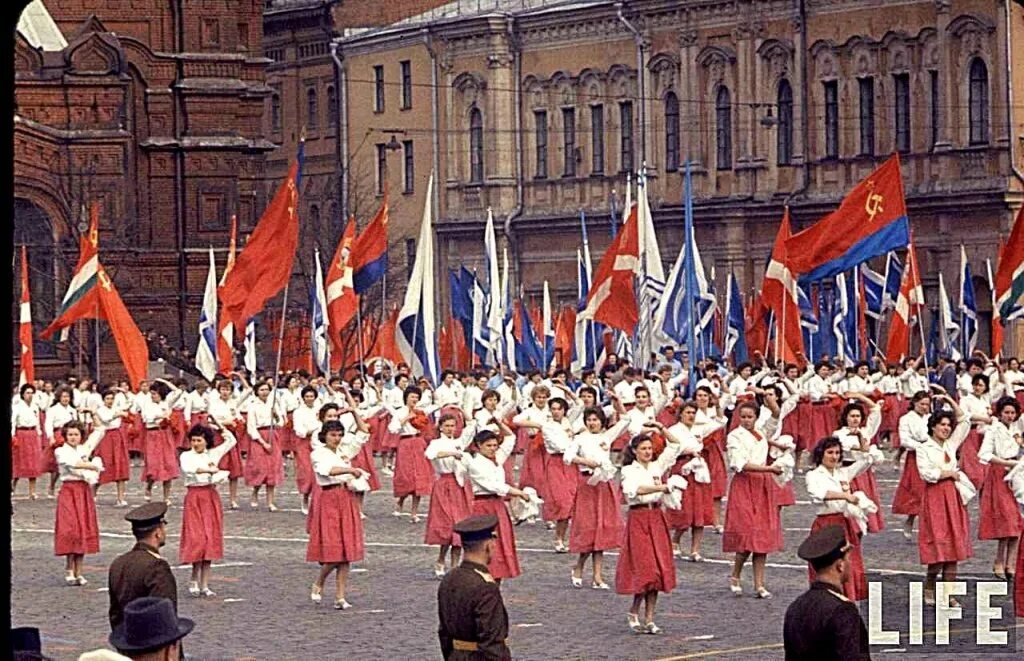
{"points": [[943, 537], [288, 400], [199, 403], [698, 510], [1013, 380], [305, 424], [829, 486], [113, 448], [489, 491], [913, 433], [202, 522], [978, 408], [1000, 515], [596, 519], [335, 527], [531, 473], [448, 398], [76, 533], [857, 432], [362, 416], [710, 428], [752, 524], [160, 449], [26, 446], [414, 476], [393, 400], [451, 498], [225, 412], [57, 416], [264, 467], [494, 412], [645, 565], [560, 479], [181, 413]]}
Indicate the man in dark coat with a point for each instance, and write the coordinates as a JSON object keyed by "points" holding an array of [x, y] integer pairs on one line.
{"points": [[473, 621], [142, 572]]}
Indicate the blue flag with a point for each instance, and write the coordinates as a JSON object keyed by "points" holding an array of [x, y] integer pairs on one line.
{"points": [[735, 322]]}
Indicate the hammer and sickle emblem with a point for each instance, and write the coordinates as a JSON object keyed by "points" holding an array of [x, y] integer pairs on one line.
{"points": [[873, 203], [104, 280]]}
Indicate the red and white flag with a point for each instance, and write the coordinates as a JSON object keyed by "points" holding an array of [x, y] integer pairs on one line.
{"points": [[779, 292], [28, 372], [612, 298], [909, 304], [339, 287], [225, 329]]}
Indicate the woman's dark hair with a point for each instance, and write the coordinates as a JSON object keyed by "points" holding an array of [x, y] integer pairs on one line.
{"points": [[849, 408], [980, 378], [73, 424], [705, 389], [329, 426], [488, 394], [325, 408], [205, 432], [748, 405], [308, 389], [918, 396], [824, 445], [482, 437], [63, 390], [445, 418], [1003, 402], [356, 395], [161, 389], [109, 391], [938, 417], [560, 401], [597, 411], [24, 387], [629, 452], [590, 389], [690, 404], [411, 390], [743, 366]]}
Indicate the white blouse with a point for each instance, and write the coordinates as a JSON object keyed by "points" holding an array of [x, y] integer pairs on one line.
{"points": [[636, 475], [395, 426], [24, 415], [305, 422], [68, 456], [999, 441], [324, 460], [449, 465], [532, 414], [57, 416], [153, 413], [261, 414], [191, 461], [913, 430], [976, 407], [637, 417], [821, 480], [689, 442], [851, 441], [933, 458], [488, 477], [593, 447], [743, 448], [224, 413], [108, 417], [447, 396], [198, 403]]}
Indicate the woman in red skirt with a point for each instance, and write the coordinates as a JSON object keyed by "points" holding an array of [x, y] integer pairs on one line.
{"points": [[978, 408], [1000, 514], [596, 517], [531, 472], [414, 475], [57, 416], [560, 479], [113, 449], [26, 446], [698, 510], [829, 486], [76, 533], [202, 522], [451, 498], [161, 452], [487, 476], [264, 467], [913, 433], [645, 565], [224, 411], [752, 523], [394, 399], [710, 428], [305, 425], [944, 536], [335, 527], [859, 422]]}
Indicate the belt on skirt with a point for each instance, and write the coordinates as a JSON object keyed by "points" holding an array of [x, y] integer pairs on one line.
{"points": [[468, 645], [486, 496], [25, 428], [328, 487], [645, 506], [408, 436]]}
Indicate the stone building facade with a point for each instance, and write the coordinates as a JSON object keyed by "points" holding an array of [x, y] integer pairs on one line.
{"points": [[536, 111], [155, 111]]}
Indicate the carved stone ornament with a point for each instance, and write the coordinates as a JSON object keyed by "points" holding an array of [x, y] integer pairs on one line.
{"points": [[687, 37]]}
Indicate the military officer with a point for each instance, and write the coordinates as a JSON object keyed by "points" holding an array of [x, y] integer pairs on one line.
{"points": [[473, 620], [142, 572], [822, 623]]}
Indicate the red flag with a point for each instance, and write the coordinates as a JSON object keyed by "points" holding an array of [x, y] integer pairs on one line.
{"points": [[909, 304], [342, 301], [385, 346], [264, 267], [131, 345], [28, 372], [779, 293], [612, 299], [80, 300], [997, 323], [225, 330], [565, 336], [370, 251], [757, 325], [1009, 278]]}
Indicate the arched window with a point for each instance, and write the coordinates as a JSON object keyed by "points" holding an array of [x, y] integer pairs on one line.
{"points": [[275, 112], [312, 111], [33, 228], [784, 137], [978, 102], [332, 106], [476, 145], [723, 128], [671, 132]]}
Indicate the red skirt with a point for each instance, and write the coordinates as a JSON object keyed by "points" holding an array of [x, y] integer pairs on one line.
{"points": [[823, 423], [855, 587], [907, 500], [944, 533], [645, 561], [76, 531], [1020, 397], [161, 456], [262, 467], [389, 442], [364, 460], [752, 522], [449, 504], [1000, 514], [179, 429], [113, 450], [287, 440], [523, 440], [560, 483], [621, 441], [202, 526], [378, 426], [198, 419], [892, 411], [244, 442], [133, 431], [967, 458], [698, 508], [532, 473], [505, 561], [47, 460], [596, 517], [304, 467], [335, 527], [26, 454], [414, 476], [802, 415], [1018, 587], [716, 466], [667, 417], [232, 461], [867, 483]]}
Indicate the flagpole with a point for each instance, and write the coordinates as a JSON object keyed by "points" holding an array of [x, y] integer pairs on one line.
{"points": [[277, 363], [362, 350]]}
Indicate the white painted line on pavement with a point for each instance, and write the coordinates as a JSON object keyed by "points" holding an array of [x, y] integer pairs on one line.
{"points": [[232, 600], [528, 625], [372, 611], [224, 564], [102, 589]]}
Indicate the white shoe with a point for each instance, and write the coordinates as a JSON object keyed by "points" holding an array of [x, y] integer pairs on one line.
{"points": [[315, 594], [362, 516], [396, 513], [561, 547], [415, 518], [70, 579], [550, 525], [234, 505], [576, 582], [763, 593], [80, 580], [193, 589], [600, 586], [305, 508], [439, 571], [207, 592], [342, 605]]}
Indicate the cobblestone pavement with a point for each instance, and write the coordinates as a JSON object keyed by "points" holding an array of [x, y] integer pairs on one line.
{"points": [[262, 608]]}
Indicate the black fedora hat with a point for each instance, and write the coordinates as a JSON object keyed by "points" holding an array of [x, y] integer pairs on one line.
{"points": [[149, 624]]}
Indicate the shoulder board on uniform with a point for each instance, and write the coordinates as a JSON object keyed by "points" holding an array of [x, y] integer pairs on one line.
{"points": [[840, 596], [484, 575]]}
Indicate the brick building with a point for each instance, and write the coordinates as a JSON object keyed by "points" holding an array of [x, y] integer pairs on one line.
{"points": [[536, 110], [155, 110]]}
